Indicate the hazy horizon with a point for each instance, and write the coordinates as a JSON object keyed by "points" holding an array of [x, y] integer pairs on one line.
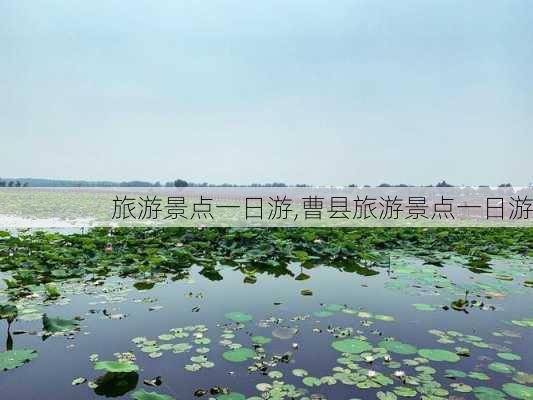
{"points": [[309, 92]]}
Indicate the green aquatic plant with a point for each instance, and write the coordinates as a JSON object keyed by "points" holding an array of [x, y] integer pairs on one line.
{"points": [[518, 391], [439, 355], [115, 366], [353, 346], [398, 347], [8, 312], [454, 373], [284, 332], [424, 307], [488, 393], [261, 340], [509, 356], [142, 394], [238, 316], [53, 256], [239, 355], [311, 381], [231, 396], [524, 323], [115, 384], [501, 367], [56, 325], [52, 291], [16, 358]]}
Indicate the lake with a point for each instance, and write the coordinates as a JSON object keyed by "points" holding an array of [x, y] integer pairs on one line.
{"points": [[407, 329]]}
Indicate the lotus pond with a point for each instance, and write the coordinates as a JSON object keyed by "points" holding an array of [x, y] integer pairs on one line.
{"points": [[235, 314]]}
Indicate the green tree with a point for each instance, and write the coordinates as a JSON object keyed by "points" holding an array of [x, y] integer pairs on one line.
{"points": [[180, 183]]}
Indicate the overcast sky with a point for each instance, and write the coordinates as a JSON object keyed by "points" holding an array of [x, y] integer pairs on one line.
{"points": [[321, 92]]}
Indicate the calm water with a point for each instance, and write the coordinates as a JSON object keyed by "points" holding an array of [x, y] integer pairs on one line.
{"points": [[195, 300]]}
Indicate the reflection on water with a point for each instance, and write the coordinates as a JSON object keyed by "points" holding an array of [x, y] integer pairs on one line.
{"points": [[251, 331]]}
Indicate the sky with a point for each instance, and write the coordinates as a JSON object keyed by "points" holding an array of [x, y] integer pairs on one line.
{"points": [[318, 92]]}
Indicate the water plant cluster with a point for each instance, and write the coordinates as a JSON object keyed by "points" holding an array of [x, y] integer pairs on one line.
{"points": [[443, 274]]}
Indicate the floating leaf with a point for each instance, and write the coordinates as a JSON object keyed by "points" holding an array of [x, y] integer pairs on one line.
{"points": [[453, 373], [55, 325], [8, 312], [299, 372], [509, 356], [78, 381], [518, 391], [386, 396], [232, 396], [261, 339], [524, 323], [144, 285], [284, 332], [142, 394], [275, 374], [404, 391], [488, 393], [15, 358], [461, 387], [398, 347], [115, 384], [322, 314], [334, 307], [238, 316], [424, 307], [238, 355], [311, 381], [116, 366], [501, 367], [439, 355], [386, 318], [479, 376], [353, 346]]}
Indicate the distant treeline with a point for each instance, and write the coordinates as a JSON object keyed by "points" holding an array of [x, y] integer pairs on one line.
{"points": [[13, 183], [35, 182]]}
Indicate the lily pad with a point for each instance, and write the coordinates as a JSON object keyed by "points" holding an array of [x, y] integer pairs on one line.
{"points": [[284, 332], [454, 373], [232, 396], [334, 307], [142, 394], [524, 323], [501, 367], [479, 376], [299, 372], [311, 381], [353, 346], [439, 355], [461, 387], [16, 358], [322, 314], [239, 355], [261, 339], [424, 307], [509, 356], [386, 318], [488, 393], [397, 347], [404, 391], [238, 316], [518, 391], [116, 366], [55, 325], [8, 312], [386, 396]]}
